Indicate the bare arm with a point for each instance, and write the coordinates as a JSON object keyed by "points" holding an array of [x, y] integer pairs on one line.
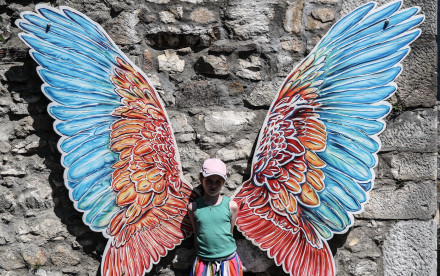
{"points": [[233, 207], [192, 208]]}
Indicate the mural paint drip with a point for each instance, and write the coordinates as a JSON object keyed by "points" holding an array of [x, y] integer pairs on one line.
{"points": [[312, 167]]}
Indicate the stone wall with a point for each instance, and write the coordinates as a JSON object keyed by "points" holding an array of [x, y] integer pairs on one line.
{"points": [[216, 65]]}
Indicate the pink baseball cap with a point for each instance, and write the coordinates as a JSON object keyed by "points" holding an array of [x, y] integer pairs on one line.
{"points": [[214, 166]]}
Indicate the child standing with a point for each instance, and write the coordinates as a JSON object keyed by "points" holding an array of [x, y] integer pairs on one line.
{"points": [[213, 219]]}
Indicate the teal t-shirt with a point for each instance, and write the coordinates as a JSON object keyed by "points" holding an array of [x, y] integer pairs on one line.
{"points": [[214, 237]]}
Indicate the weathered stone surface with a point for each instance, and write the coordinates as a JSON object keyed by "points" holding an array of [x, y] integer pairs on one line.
{"points": [[189, 155], [242, 149], [253, 259], [413, 131], [249, 19], [36, 213], [401, 200], [324, 15], [262, 95], [34, 256], [11, 260], [148, 60], [313, 24], [170, 62], [43, 272], [250, 69], [212, 65], [225, 121], [410, 249], [416, 82], [202, 15], [167, 17], [408, 166], [291, 44], [63, 255], [293, 18], [123, 29], [197, 94]]}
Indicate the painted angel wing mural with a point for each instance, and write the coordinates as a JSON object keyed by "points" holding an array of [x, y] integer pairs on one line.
{"points": [[313, 165], [120, 157]]}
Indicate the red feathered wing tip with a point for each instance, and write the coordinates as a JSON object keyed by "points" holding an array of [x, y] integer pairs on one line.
{"points": [[287, 245]]}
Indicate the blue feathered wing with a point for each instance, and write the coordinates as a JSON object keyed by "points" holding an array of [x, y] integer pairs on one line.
{"points": [[121, 161], [313, 165]]}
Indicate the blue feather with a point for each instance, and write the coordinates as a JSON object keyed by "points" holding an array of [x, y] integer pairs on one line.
{"points": [[72, 142], [352, 68], [369, 127], [65, 113], [344, 197], [317, 223], [345, 24], [59, 80], [335, 157], [345, 182], [71, 70], [62, 39], [352, 148], [92, 162], [73, 98], [105, 215], [332, 213], [89, 199], [362, 82], [372, 95], [63, 55], [72, 127], [366, 111], [89, 28], [354, 134], [103, 211], [94, 143], [81, 186]]}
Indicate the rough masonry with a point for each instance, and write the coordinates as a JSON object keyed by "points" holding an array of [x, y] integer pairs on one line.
{"points": [[216, 65]]}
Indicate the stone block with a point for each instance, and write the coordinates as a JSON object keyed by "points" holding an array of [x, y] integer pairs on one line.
{"points": [[250, 69], [190, 155], [249, 19], [34, 256], [202, 15], [167, 17], [293, 18], [228, 121], [413, 131], [64, 255], [197, 94], [10, 260], [410, 248], [407, 166], [171, 62], [262, 95], [417, 83], [212, 66], [401, 200], [324, 14], [291, 44], [241, 150], [122, 28]]}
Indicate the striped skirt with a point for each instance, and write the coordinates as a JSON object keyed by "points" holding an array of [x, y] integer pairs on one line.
{"points": [[227, 267]]}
